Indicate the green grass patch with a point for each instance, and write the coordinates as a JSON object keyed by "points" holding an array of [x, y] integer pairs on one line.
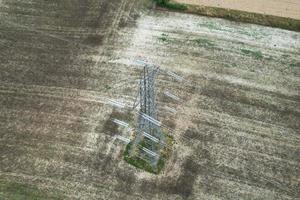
{"points": [[231, 65], [108, 87], [18, 191], [295, 64], [142, 164], [204, 42], [255, 54], [171, 5], [164, 37], [137, 162]]}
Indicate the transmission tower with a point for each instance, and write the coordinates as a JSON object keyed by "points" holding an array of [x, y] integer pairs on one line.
{"points": [[149, 139]]}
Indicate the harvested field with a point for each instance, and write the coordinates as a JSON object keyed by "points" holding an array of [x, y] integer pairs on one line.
{"points": [[237, 127], [289, 9]]}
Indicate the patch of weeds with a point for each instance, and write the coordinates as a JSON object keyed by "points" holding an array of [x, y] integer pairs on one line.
{"points": [[18, 191], [142, 164], [233, 64], [295, 64], [171, 5], [255, 54], [211, 26], [230, 65], [136, 161], [204, 42], [164, 37], [108, 87]]}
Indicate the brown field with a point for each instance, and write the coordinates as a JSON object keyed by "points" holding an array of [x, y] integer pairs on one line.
{"points": [[281, 8], [236, 128]]}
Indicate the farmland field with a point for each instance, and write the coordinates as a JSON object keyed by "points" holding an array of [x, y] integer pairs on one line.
{"points": [[236, 126], [281, 8]]}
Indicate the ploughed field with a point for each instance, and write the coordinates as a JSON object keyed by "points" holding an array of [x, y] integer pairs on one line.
{"points": [[289, 9], [236, 126]]}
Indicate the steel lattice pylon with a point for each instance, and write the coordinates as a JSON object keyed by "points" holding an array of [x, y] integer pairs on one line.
{"points": [[149, 138]]}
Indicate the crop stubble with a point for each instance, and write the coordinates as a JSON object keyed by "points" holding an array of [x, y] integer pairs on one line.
{"points": [[236, 128]]}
